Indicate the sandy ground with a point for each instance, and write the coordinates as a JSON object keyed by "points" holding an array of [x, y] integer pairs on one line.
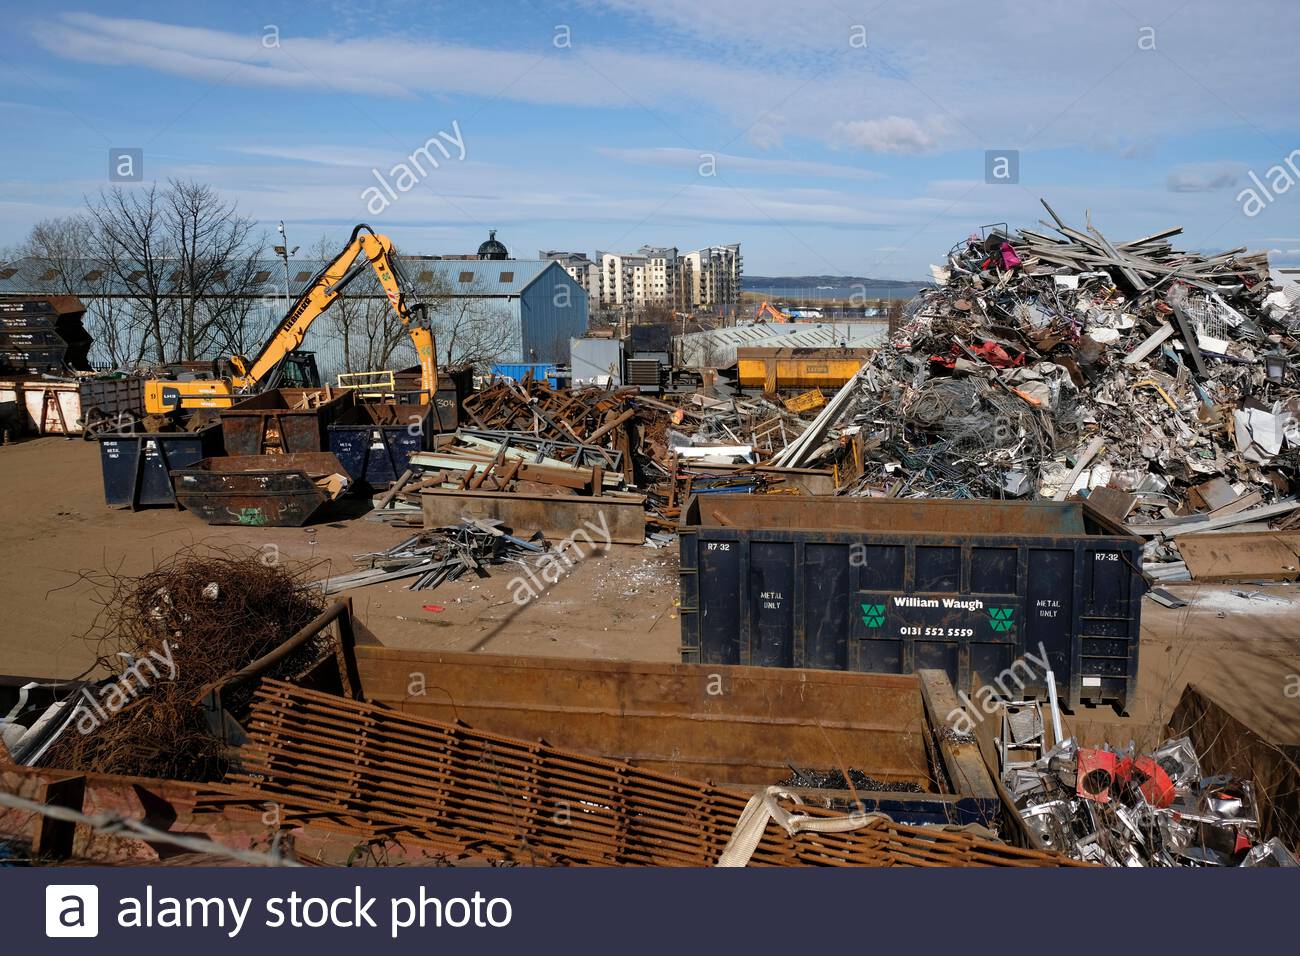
{"points": [[55, 530], [56, 534]]}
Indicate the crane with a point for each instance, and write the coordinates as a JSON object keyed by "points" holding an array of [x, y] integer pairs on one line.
{"points": [[365, 249]]}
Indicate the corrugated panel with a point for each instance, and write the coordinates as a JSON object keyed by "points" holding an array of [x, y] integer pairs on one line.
{"points": [[552, 311], [717, 348], [596, 360]]}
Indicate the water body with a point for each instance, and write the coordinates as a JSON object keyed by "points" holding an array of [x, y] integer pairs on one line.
{"points": [[848, 293]]}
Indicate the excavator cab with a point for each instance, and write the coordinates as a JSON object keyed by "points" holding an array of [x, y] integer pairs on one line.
{"points": [[298, 370]]}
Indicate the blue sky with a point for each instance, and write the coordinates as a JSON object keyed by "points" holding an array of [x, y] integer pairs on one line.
{"points": [[837, 138]]}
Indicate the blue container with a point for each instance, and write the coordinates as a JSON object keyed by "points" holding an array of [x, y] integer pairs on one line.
{"points": [[374, 443], [518, 371], [137, 467]]}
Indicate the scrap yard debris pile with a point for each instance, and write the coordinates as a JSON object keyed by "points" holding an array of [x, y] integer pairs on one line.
{"points": [[435, 555], [1160, 383], [165, 639], [1128, 809], [529, 438]]}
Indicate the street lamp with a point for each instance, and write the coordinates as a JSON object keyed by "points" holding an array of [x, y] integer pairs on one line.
{"points": [[284, 252]]}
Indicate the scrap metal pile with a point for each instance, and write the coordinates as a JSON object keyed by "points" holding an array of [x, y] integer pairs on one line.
{"points": [[1049, 364], [586, 424], [529, 438], [624, 430], [1129, 809], [435, 555]]}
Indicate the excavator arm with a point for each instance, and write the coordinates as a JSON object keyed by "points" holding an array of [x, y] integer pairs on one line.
{"points": [[365, 249]]}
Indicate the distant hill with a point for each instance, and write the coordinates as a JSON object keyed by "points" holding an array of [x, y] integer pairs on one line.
{"points": [[812, 283]]}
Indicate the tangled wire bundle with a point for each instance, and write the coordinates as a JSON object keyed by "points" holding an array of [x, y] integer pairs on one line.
{"points": [[216, 611], [976, 419]]}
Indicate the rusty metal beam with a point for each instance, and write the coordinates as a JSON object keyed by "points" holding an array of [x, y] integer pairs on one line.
{"points": [[356, 766]]}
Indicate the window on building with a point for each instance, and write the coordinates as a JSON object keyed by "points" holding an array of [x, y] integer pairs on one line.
{"points": [[507, 277], [8, 273], [135, 276], [302, 276], [426, 276], [94, 275], [49, 275], [467, 277], [261, 277]]}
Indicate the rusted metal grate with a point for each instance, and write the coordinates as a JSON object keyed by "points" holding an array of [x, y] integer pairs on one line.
{"points": [[385, 774]]}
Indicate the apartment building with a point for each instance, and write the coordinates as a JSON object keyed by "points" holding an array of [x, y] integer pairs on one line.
{"points": [[661, 275], [622, 279], [714, 274]]}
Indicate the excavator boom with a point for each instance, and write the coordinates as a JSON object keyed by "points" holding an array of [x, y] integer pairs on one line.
{"points": [[365, 249]]}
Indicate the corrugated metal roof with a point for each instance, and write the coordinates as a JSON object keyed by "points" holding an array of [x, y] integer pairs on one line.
{"points": [[493, 278], [717, 348], [490, 277]]}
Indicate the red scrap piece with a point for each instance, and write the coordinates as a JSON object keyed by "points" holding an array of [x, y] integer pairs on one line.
{"points": [[1096, 774], [1151, 779], [996, 355]]}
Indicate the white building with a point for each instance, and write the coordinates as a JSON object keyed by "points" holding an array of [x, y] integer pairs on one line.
{"points": [[715, 274], [660, 275], [622, 279]]}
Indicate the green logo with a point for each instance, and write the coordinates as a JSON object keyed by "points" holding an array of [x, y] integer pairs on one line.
{"points": [[1000, 618], [250, 516], [873, 615]]}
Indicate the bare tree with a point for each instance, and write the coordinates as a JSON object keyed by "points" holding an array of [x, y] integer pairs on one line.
{"points": [[59, 249], [185, 261], [131, 240], [59, 256], [216, 261], [467, 327]]}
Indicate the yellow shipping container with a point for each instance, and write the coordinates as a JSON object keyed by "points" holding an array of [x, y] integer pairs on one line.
{"points": [[775, 369]]}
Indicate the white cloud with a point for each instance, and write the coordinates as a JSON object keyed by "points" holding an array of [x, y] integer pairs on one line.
{"points": [[890, 134], [909, 92], [324, 155]]}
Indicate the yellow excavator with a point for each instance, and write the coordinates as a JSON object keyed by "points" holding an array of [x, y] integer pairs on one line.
{"points": [[276, 361]]}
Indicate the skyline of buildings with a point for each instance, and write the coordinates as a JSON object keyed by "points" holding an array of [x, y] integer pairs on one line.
{"points": [[705, 278]]}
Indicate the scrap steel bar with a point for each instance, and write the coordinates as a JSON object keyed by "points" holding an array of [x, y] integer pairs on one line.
{"points": [[381, 773]]}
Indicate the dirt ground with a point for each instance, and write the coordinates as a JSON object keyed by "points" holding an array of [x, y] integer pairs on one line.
{"points": [[56, 533]]}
